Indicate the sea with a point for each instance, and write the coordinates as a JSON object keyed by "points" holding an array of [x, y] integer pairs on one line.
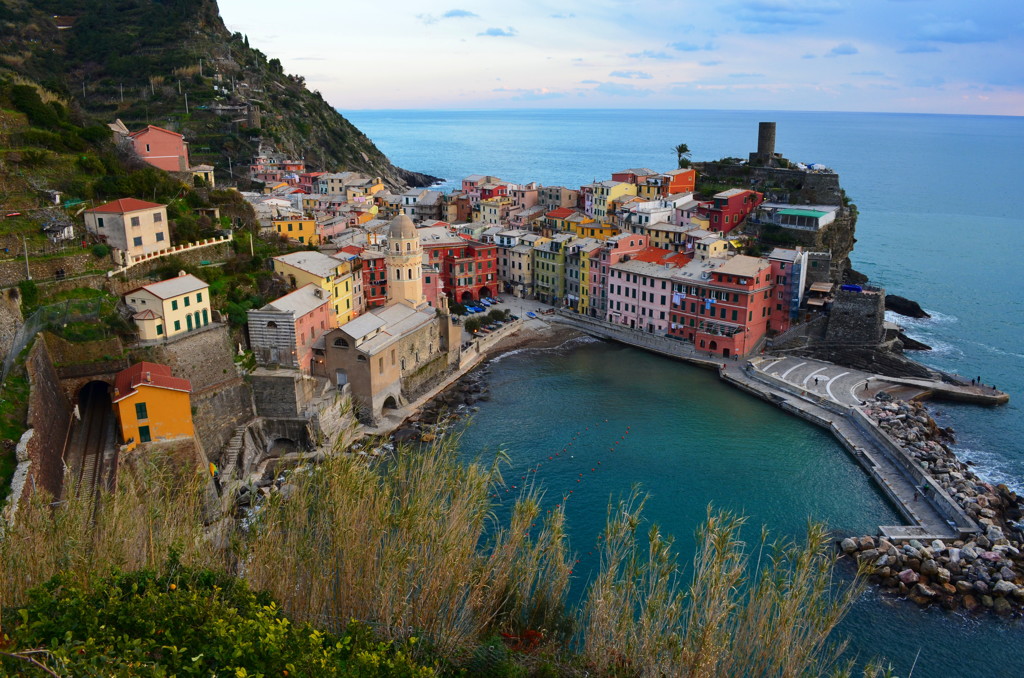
{"points": [[938, 223]]}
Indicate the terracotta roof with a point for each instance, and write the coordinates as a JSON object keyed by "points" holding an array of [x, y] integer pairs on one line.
{"points": [[561, 213], [158, 129], [124, 205], [147, 374]]}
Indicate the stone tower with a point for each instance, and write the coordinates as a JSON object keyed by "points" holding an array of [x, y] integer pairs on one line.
{"points": [[765, 144], [405, 264]]}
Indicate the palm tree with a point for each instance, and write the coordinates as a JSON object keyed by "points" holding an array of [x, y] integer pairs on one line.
{"points": [[683, 153]]}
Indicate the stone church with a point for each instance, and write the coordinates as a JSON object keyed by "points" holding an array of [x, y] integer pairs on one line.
{"points": [[389, 355]]}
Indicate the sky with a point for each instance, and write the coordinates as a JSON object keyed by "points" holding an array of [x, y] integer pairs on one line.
{"points": [[912, 56]]}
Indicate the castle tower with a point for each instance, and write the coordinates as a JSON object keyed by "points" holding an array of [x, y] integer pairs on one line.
{"points": [[405, 264]]}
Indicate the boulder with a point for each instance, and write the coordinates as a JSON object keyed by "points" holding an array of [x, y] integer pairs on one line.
{"points": [[930, 568], [964, 587], [905, 307], [1001, 606], [848, 545], [866, 543], [994, 533], [1004, 588], [867, 556], [981, 587], [943, 575], [909, 577]]}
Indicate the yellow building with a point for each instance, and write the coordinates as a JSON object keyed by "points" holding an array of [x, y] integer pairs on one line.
{"points": [[151, 404], [302, 230], [607, 192], [593, 229], [585, 254], [170, 307], [336, 275]]}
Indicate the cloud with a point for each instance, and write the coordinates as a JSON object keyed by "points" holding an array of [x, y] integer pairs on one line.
{"points": [[710, 63], [934, 81], [650, 54], [809, 56], [450, 14], [844, 49], [499, 32], [692, 47], [919, 49], [635, 75], [617, 89], [768, 16], [746, 75], [570, 15], [537, 94], [959, 32]]}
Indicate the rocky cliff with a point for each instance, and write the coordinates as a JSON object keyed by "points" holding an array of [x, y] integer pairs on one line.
{"points": [[173, 63]]}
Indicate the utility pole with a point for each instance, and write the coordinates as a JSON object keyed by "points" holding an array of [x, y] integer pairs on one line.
{"points": [[186, 103], [122, 92], [83, 90], [24, 243], [201, 68]]}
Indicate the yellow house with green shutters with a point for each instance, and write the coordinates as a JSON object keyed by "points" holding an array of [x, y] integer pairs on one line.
{"points": [[585, 253], [336, 276], [302, 231], [170, 307]]}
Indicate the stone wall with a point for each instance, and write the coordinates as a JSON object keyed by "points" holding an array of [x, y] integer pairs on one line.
{"points": [[281, 393], [10, 320], [13, 270], [49, 414], [218, 411], [856, 318]]}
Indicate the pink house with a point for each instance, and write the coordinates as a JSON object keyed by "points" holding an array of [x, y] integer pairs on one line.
{"points": [[283, 331], [161, 148], [640, 289], [602, 259]]}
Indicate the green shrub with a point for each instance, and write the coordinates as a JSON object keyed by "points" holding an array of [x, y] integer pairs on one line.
{"points": [[29, 295], [99, 250], [187, 623]]}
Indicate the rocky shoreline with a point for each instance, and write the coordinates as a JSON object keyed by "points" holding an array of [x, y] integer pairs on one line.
{"points": [[982, 573]]}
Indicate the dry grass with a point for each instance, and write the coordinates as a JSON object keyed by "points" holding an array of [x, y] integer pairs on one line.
{"points": [[186, 71], [157, 507], [407, 549], [771, 617]]}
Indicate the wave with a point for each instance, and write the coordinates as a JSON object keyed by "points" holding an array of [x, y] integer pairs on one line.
{"points": [[991, 467], [937, 319], [568, 343]]}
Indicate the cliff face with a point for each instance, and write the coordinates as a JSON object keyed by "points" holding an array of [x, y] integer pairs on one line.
{"points": [[799, 188], [174, 64]]}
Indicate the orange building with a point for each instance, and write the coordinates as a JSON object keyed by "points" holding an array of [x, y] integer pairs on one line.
{"points": [[161, 148], [151, 404]]}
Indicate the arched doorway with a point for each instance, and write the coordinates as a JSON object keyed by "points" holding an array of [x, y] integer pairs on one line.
{"points": [[485, 292], [390, 403], [713, 346], [467, 297]]}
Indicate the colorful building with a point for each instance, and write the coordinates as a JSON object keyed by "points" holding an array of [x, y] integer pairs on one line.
{"points": [[331, 274], [728, 209], [604, 194], [669, 183], [150, 404], [602, 259], [170, 307], [549, 267], [375, 275], [130, 227], [283, 332], [722, 306], [302, 231], [161, 148], [640, 289]]}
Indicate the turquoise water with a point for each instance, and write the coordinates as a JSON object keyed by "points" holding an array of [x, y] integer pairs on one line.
{"points": [[938, 223]]}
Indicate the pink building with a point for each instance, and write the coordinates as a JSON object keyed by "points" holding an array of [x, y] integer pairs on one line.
{"points": [[640, 289], [161, 148], [602, 259], [283, 331], [433, 285]]}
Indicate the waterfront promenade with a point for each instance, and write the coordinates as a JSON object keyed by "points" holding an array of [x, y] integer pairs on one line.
{"points": [[833, 402]]}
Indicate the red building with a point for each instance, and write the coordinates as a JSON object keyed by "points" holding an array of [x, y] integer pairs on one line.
{"points": [[634, 176], [468, 269], [161, 148], [728, 209], [375, 275], [722, 308]]}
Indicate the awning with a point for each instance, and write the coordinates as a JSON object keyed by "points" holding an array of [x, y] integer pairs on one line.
{"points": [[825, 287]]}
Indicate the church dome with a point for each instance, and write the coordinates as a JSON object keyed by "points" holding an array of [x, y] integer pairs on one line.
{"points": [[401, 228]]}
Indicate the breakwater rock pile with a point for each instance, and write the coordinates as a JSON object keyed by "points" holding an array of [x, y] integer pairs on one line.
{"points": [[447, 407], [985, 572]]}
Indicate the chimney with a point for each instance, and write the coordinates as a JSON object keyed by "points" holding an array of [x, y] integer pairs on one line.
{"points": [[149, 377], [181, 273]]}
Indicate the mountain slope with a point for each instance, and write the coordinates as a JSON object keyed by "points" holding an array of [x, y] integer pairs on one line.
{"points": [[173, 63]]}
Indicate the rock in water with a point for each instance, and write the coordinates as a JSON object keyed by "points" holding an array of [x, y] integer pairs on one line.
{"points": [[904, 306]]}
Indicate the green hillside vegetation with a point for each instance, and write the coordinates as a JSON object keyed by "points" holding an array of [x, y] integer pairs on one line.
{"points": [[139, 60], [412, 549]]}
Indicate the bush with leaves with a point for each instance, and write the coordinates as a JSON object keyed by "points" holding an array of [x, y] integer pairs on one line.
{"points": [[187, 623]]}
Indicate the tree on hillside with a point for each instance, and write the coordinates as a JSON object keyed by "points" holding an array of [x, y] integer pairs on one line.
{"points": [[683, 154]]}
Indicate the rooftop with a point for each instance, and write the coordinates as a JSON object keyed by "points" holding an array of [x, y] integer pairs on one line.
{"points": [[300, 302], [173, 287], [125, 205], [743, 265], [317, 263], [127, 381], [390, 323]]}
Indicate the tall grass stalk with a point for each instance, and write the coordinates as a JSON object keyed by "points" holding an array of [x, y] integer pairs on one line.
{"points": [[734, 618], [156, 507], [407, 548]]}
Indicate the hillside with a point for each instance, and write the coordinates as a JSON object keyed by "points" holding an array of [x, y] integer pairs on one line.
{"points": [[174, 63]]}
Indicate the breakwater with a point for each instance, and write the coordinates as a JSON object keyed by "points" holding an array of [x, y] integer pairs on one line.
{"points": [[942, 502]]}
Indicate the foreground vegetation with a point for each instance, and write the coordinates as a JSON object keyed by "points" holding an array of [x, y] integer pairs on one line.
{"points": [[413, 550]]}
